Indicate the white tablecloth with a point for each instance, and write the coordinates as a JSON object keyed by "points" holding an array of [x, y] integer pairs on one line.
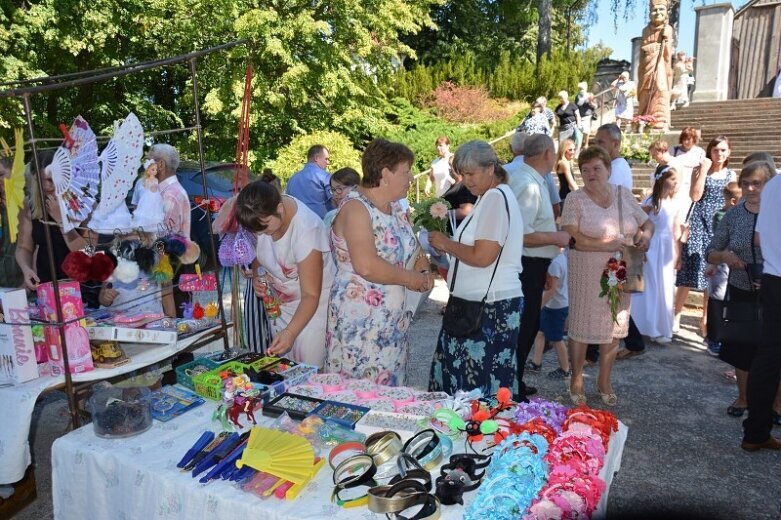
{"points": [[137, 478], [17, 402]]}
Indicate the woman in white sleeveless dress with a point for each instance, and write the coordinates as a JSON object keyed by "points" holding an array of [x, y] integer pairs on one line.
{"points": [[439, 176]]}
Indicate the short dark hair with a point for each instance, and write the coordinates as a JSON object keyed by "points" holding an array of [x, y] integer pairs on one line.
{"points": [[380, 154], [314, 151], [594, 152], [757, 167], [347, 176], [257, 200], [716, 141], [689, 133]]}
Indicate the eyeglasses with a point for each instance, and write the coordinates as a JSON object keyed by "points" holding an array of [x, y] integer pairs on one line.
{"points": [[341, 189]]}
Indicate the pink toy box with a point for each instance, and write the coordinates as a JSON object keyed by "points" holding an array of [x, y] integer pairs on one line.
{"points": [[17, 350], [76, 337]]}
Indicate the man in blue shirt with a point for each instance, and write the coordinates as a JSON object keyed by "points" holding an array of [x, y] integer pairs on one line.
{"points": [[312, 185]]}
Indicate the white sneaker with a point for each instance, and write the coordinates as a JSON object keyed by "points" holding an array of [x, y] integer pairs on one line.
{"points": [[661, 340], [677, 324]]}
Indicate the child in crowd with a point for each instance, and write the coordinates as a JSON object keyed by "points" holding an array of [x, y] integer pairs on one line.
{"points": [[343, 181], [718, 274], [555, 309], [652, 310]]}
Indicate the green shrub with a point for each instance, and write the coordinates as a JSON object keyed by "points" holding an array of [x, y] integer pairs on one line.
{"points": [[292, 158]]}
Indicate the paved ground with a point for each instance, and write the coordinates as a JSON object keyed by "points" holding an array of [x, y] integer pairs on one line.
{"points": [[682, 457]]}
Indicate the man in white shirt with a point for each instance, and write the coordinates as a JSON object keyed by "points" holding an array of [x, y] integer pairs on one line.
{"points": [[541, 239], [517, 142], [609, 137], [763, 377]]}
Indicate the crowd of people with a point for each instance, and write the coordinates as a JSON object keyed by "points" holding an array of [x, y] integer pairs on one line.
{"points": [[526, 259], [338, 258]]}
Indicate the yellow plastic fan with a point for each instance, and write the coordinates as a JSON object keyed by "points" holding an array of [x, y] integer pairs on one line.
{"points": [[281, 454], [14, 186]]}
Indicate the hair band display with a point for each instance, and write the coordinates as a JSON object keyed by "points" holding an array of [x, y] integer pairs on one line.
{"points": [[350, 448], [421, 444], [429, 511], [395, 498], [345, 475], [383, 446]]}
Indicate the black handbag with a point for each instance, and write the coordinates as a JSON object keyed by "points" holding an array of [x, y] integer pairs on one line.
{"points": [[736, 321], [464, 317]]}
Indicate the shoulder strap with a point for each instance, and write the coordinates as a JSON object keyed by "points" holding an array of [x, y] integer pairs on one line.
{"points": [[620, 211], [501, 250]]}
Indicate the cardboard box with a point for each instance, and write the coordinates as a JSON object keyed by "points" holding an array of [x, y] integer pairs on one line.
{"points": [[130, 335], [17, 350], [77, 339]]}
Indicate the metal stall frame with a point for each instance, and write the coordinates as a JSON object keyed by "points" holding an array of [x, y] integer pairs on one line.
{"points": [[77, 79]]}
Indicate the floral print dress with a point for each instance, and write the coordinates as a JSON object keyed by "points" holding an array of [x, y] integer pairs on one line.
{"points": [[692, 273], [368, 326]]}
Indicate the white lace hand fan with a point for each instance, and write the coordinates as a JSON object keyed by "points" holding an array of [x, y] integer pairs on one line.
{"points": [[120, 161], [75, 173]]}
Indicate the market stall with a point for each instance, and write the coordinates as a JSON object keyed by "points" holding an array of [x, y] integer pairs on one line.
{"points": [[138, 477], [19, 400]]}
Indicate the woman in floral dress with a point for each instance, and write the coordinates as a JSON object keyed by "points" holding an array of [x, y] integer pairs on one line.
{"points": [[591, 217], [373, 243], [707, 193]]}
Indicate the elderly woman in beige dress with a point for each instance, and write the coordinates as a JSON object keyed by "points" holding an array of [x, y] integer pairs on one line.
{"points": [[591, 217]]}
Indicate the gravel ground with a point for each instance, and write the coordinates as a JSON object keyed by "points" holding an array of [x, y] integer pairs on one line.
{"points": [[682, 458]]}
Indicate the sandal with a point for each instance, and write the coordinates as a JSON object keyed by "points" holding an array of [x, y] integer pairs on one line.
{"points": [[578, 399], [735, 411], [609, 399]]}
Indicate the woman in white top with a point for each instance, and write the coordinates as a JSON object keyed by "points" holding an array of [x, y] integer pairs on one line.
{"points": [[439, 176], [293, 250], [485, 265]]}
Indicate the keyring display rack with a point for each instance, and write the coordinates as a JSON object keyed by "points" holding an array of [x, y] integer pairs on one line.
{"points": [[25, 89]]}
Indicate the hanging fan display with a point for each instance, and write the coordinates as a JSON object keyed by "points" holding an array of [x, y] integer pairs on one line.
{"points": [[75, 173], [14, 186], [120, 161], [281, 454]]}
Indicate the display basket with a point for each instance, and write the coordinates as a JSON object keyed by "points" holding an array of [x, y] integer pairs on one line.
{"points": [[210, 384], [186, 380]]}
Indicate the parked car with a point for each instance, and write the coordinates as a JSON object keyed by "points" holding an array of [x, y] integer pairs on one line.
{"points": [[219, 187]]}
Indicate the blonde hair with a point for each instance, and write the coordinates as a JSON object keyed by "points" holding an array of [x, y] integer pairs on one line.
{"points": [[34, 196]]}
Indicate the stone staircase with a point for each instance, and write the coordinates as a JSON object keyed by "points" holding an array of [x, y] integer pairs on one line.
{"points": [[750, 124]]}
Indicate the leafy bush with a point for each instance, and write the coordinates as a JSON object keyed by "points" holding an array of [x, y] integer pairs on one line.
{"points": [[466, 104], [292, 157]]}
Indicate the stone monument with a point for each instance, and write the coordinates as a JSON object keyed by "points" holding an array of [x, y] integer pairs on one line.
{"points": [[654, 70]]}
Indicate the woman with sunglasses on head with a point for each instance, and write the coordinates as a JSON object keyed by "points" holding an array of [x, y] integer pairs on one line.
{"points": [[564, 168], [298, 269]]}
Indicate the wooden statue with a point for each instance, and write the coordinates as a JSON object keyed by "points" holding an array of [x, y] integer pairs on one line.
{"points": [[655, 68]]}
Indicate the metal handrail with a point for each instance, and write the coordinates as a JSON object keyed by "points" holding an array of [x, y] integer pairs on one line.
{"points": [[420, 175]]}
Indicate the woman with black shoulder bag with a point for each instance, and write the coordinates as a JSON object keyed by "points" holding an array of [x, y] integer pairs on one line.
{"points": [[736, 321], [478, 341]]}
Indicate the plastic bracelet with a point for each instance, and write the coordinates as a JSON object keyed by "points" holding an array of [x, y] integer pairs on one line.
{"points": [[429, 511], [434, 459], [421, 476], [354, 448], [344, 477]]}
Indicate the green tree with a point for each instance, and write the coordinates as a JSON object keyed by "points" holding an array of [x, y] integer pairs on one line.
{"points": [[317, 64]]}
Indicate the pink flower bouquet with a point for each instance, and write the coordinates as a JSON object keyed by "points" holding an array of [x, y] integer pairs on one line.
{"points": [[431, 214]]}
